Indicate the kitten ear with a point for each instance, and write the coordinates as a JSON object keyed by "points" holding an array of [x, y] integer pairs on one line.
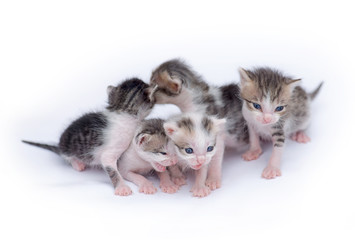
{"points": [[292, 83], [109, 89], [151, 91], [220, 124], [163, 79], [143, 139], [170, 128], [244, 77]]}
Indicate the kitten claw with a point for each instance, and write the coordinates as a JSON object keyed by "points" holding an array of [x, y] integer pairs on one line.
{"points": [[271, 172], [147, 188], [213, 184], [200, 191], [252, 154], [123, 190], [300, 137]]}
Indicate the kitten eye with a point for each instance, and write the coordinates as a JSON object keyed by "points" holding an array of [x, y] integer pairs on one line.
{"points": [[189, 150], [279, 108], [210, 148], [163, 153], [257, 106]]}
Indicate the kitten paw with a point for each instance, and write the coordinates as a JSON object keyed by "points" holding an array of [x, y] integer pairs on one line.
{"points": [[300, 137], [78, 165], [169, 187], [271, 172], [147, 188], [123, 190], [252, 154], [200, 191], [213, 184], [179, 180]]}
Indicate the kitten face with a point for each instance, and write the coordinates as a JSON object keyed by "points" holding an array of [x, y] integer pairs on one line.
{"points": [[266, 93], [132, 96], [194, 136], [154, 146]]}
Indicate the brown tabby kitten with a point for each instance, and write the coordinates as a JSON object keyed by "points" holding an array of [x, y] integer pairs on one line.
{"points": [[274, 108]]}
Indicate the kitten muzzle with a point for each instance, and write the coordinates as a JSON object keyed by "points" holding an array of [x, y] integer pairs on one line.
{"points": [[158, 167]]}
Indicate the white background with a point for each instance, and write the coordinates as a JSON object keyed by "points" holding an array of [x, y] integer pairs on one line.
{"points": [[57, 58]]}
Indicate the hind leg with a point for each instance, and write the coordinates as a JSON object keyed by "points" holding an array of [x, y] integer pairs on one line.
{"points": [[300, 137]]}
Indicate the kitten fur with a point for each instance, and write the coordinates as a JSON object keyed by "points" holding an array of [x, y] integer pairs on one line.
{"points": [[180, 85], [149, 150], [275, 107], [99, 138], [197, 140]]}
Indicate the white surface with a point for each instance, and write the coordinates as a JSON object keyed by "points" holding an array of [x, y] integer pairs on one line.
{"points": [[57, 59]]}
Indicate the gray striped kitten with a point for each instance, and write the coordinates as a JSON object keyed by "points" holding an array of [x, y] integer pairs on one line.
{"points": [[150, 150], [99, 138], [178, 84], [274, 108]]}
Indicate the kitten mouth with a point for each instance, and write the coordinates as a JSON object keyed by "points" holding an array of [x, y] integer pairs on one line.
{"points": [[196, 167], [159, 167]]}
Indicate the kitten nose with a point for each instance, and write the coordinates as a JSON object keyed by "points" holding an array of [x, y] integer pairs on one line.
{"points": [[267, 118], [201, 159]]}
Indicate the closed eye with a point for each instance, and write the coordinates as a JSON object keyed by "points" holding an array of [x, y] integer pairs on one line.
{"points": [[162, 153]]}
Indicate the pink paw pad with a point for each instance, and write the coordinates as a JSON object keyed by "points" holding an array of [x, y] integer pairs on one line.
{"points": [[300, 137], [147, 189], [200, 191], [123, 190], [252, 155], [271, 172]]}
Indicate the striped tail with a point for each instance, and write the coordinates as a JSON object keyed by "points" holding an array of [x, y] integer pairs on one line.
{"points": [[52, 148], [313, 94]]}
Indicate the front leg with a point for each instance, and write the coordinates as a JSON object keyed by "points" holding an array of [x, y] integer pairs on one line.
{"points": [[144, 185], [254, 150], [214, 179], [200, 189], [117, 180], [166, 184], [273, 168], [176, 175]]}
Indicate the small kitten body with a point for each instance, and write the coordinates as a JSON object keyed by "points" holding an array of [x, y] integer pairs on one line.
{"points": [[197, 140], [99, 139], [274, 108], [150, 150], [178, 84]]}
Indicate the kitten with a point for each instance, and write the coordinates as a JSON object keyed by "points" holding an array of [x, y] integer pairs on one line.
{"points": [[150, 150], [196, 139], [178, 84], [274, 108], [99, 138]]}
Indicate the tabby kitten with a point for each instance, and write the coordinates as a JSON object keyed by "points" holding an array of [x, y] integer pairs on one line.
{"points": [[178, 84], [275, 107], [150, 150], [99, 138], [197, 140]]}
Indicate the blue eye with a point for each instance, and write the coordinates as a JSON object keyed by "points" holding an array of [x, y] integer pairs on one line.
{"points": [[189, 150], [210, 148], [257, 106], [163, 153], [279, 108]]}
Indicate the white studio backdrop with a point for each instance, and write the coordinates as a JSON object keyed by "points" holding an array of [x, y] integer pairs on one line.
{"points": [[58, 57]]}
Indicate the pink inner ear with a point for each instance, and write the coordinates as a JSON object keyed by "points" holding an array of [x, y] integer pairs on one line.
{"points": [[170, 131], [141, 140]]}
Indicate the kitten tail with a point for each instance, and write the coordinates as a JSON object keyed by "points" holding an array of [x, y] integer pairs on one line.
{"points": [[52, 148], [313, 94]]}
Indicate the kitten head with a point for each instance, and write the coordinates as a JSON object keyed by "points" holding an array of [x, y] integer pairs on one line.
{"points": [[194, 136], [266, 94], [154, 146], [171, 77], [132, 96]]}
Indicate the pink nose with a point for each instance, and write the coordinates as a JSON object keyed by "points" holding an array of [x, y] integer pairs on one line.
{"points": [[201, 159], [267, 118]]}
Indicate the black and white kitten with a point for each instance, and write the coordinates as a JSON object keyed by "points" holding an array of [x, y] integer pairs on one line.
{"points": [[275, 107], [178, 84], [99, 138]]}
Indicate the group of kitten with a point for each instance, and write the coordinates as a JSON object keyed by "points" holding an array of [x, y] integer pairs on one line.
{"points": [[265, 105]]}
